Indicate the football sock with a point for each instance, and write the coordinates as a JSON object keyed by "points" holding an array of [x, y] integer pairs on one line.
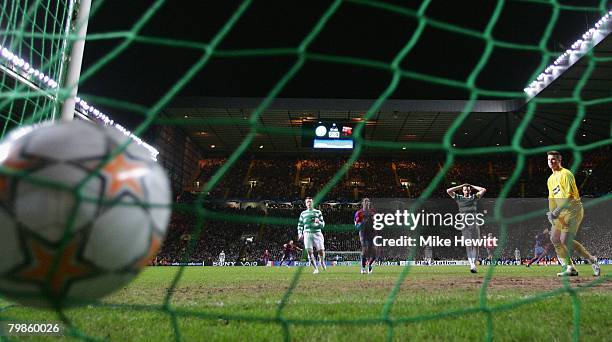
{"points": [[563, 255], [313, 261], [578, 247]]}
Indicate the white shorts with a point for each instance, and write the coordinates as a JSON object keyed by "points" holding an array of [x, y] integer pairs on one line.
{"points": [[314, 239]]}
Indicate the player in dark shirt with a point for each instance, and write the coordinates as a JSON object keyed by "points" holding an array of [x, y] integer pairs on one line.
{"points": [[289, 251], [265, 257], [467, 202], [363, 224], [539, 251]]}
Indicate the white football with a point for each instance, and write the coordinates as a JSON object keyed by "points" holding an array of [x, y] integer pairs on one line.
{"points": [[79, 218]]}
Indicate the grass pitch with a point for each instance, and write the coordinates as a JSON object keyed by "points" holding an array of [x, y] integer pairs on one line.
{"points": [[432, 303]]}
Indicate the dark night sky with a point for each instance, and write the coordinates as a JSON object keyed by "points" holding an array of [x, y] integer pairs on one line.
{"points": [[144, 72]]}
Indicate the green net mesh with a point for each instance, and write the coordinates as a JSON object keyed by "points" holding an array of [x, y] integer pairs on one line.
{"points": [[32, 32], [39, 31]]}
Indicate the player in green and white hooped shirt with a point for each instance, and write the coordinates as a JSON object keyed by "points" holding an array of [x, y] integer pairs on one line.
{"points": [[309, 228]]}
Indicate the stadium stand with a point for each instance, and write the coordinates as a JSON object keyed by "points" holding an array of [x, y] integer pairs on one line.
{"points": [[258, 178]]}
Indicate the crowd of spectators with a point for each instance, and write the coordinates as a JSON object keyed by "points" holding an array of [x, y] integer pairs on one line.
{"points": [[271, 179], [290, 178]]}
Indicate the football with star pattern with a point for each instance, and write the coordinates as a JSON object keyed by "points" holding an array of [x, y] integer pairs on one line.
{"points": [[83, 209]]}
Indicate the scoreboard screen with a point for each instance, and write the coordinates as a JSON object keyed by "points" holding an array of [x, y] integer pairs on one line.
{"points": [[327, 134]]}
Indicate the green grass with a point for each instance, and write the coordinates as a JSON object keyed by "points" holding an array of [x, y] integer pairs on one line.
{"points": [[433, 303]]}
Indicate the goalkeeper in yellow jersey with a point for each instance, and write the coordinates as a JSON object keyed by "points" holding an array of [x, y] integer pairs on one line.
{"points": [[565, 214]]}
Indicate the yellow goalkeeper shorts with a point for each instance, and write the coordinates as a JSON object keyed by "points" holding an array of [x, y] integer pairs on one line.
{"points": [[569, 221]]}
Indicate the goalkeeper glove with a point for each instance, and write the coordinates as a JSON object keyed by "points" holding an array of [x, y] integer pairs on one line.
{"points": [[552, 215]]}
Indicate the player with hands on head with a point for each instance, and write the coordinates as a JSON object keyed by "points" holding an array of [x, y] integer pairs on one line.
{"points": [[467, 203]]}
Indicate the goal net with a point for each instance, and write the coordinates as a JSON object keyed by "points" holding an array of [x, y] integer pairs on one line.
{"points": [[37, 35], [32, 61]]}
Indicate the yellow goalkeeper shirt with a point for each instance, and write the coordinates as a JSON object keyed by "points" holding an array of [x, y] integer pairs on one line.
{"points": [[562, 188]]}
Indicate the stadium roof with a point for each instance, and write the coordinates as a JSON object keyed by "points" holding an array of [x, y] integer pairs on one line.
{"points": [[223, 122]]}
